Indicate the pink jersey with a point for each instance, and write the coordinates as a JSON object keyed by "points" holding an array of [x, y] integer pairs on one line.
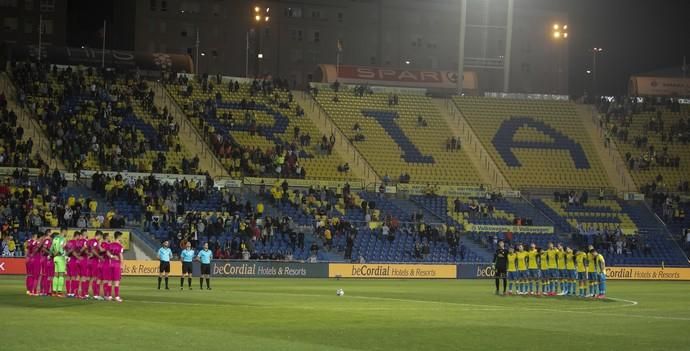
{"points": [[104, 256], [32, 248], [69, 247], [115, 249], [79, 248], [93, 246], [47, 243]]}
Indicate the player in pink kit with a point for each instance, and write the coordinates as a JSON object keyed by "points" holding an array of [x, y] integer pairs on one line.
{"points": [[82, 266], [93, 248], [31, 258], [71, 265], [105, 267], [115, 251], [38, 266], [47, 265]]}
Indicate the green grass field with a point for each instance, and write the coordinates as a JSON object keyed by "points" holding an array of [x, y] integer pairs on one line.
{"points": [[276, 314]]}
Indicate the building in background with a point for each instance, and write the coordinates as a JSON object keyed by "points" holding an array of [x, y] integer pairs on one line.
{"points": [[20, 22], [300, 34]]}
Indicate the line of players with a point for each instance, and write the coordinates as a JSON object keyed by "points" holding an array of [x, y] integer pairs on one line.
{"points": [[68, 268], [552, 271]]}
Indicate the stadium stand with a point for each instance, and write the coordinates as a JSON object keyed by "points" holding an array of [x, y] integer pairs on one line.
{"points": [[15, 149], [28, 203], [257, 129], [653, 141], [468, 211], [400, 136], [627, 231], [89, 117], [536, 144]]}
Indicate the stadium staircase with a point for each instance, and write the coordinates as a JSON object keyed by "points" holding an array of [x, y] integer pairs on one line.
{"points": [[615, 167], [32, 129], [359, 166], [485, 165], [189, 136]]}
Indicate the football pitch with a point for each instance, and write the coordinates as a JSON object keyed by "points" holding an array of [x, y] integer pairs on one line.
{"points": [[306, 314]]}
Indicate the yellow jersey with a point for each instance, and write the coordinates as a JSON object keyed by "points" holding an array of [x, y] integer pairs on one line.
{"points": [[580, 262], [512, 261], [532, 257], [569, 262], [590, 263], [551, 255], [560, 259], [521, 260], [543, 261], [600, 264]]}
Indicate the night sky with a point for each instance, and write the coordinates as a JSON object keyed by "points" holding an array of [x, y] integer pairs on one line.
{"points": [[637, 35]]}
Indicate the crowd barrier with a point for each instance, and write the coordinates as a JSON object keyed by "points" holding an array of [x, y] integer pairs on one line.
{"points": [[275, 269]]}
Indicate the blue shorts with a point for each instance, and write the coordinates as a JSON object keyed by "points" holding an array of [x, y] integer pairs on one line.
{"points": [[553, 273], [512, 275], [572, 274], [523, 274], [563, 273], [592, 276], [581, 275], [534, 273]]}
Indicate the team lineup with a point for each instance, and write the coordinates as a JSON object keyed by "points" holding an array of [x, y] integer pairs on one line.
{"points": [[86, 268], [551, 271]]}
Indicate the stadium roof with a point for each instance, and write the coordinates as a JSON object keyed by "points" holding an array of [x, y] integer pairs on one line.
{"points": [[668, 72]]}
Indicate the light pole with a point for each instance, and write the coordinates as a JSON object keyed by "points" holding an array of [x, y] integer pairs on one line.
{"points": [[260, 17], [595, 53], [559, 34]]}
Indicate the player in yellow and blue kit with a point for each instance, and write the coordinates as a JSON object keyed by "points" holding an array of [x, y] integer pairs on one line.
{"points": [[571, 273], [600, 271], [512, 269], [553, 268], [580, 263], [522, 270], [544, 271], [562, 272], [532, 268], [591, 271]]}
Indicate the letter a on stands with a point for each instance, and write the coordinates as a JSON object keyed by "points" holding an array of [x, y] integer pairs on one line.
{"points": [[504, 143]]}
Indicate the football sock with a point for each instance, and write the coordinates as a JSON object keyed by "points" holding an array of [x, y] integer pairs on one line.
{"points": [[189, 282], [182, 282], [201, 283], [159, 282], [166, 282], [117, 291]]}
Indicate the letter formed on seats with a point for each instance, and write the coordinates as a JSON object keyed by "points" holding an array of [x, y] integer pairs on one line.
{"points": [[386, 120], [504, 143]]}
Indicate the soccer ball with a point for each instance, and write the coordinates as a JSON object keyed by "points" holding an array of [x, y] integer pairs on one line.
{"points": [[340, 292]]}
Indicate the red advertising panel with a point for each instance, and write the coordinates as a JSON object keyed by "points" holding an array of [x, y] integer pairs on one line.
{"points": [[12, 265]]}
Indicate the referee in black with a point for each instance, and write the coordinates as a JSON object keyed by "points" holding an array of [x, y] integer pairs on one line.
{"points": [[501, 265], [164, 255]]}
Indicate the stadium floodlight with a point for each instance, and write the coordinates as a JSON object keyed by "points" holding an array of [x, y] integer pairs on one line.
{"points": [[559, 31], [257, 18], [203, 54], [407, 62], [260, 56], [589, 71], [266, 19], [257, 9]]}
